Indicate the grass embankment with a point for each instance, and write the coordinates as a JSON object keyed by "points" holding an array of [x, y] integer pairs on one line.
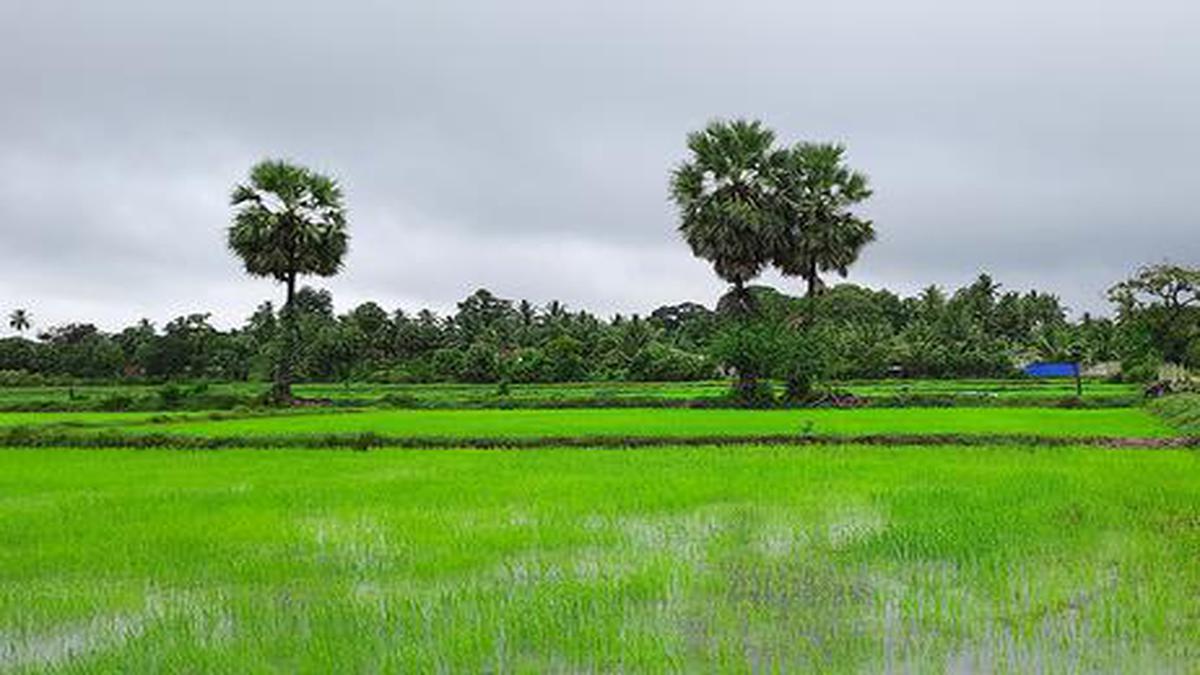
{"points": [[585, 394], [684, 423], [90, 419], [838, 559], [1181, 412], [620, 426]]}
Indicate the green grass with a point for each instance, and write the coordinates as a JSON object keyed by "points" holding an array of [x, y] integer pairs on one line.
{"points": [[987, 388], [686, 423], [467, 395], [834, 559], [87, 419], [1182, 412]]}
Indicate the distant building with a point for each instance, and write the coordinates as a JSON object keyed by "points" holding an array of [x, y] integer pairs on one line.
{"points": [[1052, 369]]}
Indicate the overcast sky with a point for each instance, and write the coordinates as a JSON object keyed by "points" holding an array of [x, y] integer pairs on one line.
{"points": [[525, 146]]}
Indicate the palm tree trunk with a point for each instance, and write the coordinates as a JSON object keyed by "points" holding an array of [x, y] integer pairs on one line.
{"points": [[745, 301], [283, 367], [746, 380]]}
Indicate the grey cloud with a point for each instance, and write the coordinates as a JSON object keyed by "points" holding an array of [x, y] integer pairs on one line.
{"points": [[525, 145]]}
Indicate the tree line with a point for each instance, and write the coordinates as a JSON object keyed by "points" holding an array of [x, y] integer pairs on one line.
{"points": [[745, 204], [980, 330]]}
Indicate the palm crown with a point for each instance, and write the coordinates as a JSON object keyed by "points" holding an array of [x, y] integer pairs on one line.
{"points": [[723, 195], [290, 221], [18, 320], [818, 232]]}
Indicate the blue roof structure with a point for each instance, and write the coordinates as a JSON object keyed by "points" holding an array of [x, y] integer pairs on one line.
{"points": [[1045, 369]]}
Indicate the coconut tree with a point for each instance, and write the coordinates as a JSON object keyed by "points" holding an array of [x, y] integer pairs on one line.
{"points": [[289, 221], [18, 320], [725, 194], [818, 232]]}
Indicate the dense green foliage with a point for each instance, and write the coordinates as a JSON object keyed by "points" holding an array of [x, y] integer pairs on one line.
{"points": [[977, 331], [1160, 308], [838, 559]]}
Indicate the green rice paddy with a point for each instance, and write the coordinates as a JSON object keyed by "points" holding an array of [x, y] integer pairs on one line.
{"points": [[686, 423], [726, 559], [1007, 556], [85, 396]]}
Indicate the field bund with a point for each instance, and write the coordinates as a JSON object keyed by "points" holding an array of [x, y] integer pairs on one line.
{"points": [[615, 426]]}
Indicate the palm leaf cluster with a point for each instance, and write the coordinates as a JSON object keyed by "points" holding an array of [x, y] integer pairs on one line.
{"points": [[18, 320], [746, 204], [290, 221], [725, 196]]}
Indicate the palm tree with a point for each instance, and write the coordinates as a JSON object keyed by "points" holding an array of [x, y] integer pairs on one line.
{"points": [[18, 320], [726, 195], [818, 232], [290, 221]]}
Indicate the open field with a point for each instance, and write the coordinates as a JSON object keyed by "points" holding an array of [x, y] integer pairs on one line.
{"points": [[650, 423], [1006, 556], [1029, 391], [842, 559], [452, 424], [85, 419]]}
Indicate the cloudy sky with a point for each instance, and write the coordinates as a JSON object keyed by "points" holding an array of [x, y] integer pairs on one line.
{"points": [[525, 145]]}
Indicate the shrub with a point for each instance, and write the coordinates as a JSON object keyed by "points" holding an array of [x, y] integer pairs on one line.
{"points": [[748, 350], [170, 396], [480, 364], [20, 378], [447, 364], [657, 362], [1141, 368], [116, 402], [801, 362], [754, 394], [564, 360]]}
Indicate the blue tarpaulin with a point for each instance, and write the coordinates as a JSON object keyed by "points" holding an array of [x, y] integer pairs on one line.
{"points": [[1051, 369]]}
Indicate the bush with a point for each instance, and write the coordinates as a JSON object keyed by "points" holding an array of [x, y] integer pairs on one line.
{"points": [[480, 364], [1141, 368], [801, 362], [170, 396], [400, 400], [748, 349], [657, 362], [754, 393], [20, 378], [116, 402], [524, 365], [447, 364], [563, 361]]}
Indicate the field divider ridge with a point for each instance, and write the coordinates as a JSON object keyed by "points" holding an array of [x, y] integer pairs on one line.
{"points": [[26, 438]]}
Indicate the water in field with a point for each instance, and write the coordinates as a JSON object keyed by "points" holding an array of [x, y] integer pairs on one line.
{"points": [[838, 559]]}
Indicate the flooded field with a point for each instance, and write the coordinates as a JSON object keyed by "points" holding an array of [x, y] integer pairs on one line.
{"points": [[834, 558]]}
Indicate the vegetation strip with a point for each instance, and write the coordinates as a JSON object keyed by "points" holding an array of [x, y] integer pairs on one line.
{"points": [[655, 560], [230, 396], [26, 438]]}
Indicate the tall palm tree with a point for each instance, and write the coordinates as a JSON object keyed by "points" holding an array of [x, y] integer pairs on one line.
{"points": [[725, 194], [18, 320], [289, 221], [818, 231]]}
